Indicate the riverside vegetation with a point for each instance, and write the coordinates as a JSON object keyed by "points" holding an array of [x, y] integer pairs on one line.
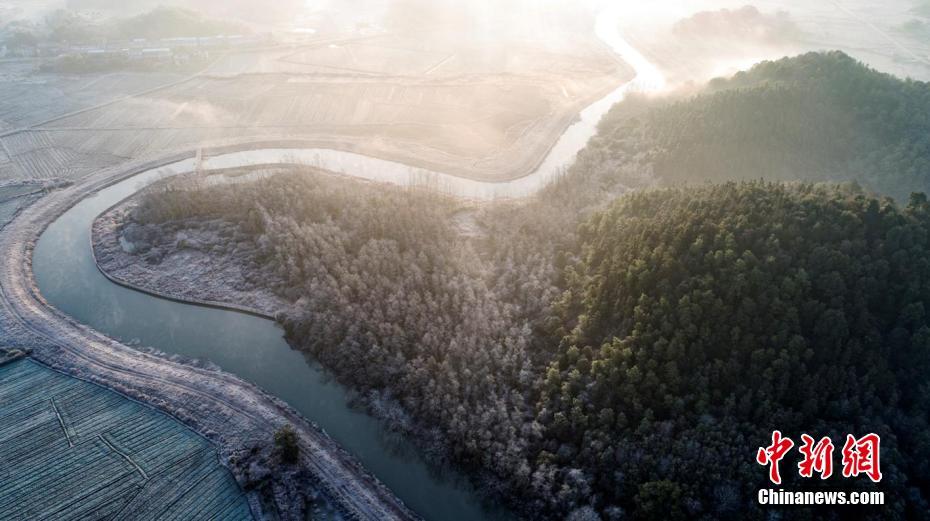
{"points": [[596, 355]]}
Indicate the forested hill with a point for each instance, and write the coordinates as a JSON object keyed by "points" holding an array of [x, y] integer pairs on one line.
{"points": [[698, 321], [624, 368], [172, 22], [162, 22], [815, 117]]}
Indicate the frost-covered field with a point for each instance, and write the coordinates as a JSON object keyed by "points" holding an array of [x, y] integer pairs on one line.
{"points": [[28, 97], [74, 450], [461, 102]]}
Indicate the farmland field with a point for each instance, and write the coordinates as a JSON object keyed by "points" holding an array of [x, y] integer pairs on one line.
{"points": [[14, 199], [480, 124], [28, 97], [440, 103], [74, 450]]}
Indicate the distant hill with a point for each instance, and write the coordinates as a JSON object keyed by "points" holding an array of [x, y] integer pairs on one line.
{"points": [[249, 11], [746, 24], [162, 22], [171, 22], [922, 10], [916, 28], [815, 117]]}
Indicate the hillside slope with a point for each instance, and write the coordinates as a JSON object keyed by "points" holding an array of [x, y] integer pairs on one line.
{"points": [[698, 321], [815, 117]]}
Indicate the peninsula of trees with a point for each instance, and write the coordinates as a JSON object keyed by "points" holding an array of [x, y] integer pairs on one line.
{"points": [[594, 355]]}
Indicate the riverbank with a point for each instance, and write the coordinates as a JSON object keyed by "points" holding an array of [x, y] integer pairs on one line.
{"points": [[231, 412], [183, 262], [365, 246]]}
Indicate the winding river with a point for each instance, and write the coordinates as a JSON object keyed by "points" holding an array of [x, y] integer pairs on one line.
{"points": [[254, 348]]}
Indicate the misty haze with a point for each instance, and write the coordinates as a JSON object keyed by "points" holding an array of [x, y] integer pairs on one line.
{"points": [[591, 260]]}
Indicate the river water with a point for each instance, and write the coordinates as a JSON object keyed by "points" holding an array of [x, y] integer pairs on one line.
{"points": [[254, 348]]}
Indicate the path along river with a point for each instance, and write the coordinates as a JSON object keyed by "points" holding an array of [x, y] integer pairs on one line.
{"points": [[254, 348]]}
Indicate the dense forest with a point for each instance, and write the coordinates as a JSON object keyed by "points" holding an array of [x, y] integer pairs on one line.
{"points": [[598, 352], [436, 329], [604, 370], [698, 320], [815, 117]]}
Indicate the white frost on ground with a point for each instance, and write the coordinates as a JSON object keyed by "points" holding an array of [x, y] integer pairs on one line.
{"points": [[193, 265]]}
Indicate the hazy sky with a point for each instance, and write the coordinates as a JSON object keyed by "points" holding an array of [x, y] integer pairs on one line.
{"points": [[868, 29]]}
